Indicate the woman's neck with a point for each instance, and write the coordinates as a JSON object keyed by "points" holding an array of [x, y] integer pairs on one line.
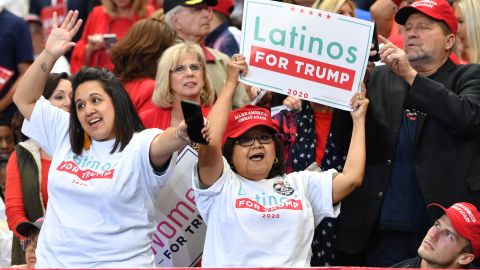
{"points": [[124, 12]]}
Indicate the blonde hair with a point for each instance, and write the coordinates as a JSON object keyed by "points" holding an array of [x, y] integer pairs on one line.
{"points": [[333, 5], [471, 9], [138, 6], [163, 96]]}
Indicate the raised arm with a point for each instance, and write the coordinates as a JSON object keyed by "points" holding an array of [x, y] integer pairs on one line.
{"points": [[210, 162], [31, 86], [353, 171]]}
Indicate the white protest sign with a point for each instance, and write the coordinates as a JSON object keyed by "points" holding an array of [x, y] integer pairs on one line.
{"points": [[180, 231], [308, 53]]}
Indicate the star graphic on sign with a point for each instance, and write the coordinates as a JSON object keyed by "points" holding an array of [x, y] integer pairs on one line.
{"points": [[292, 9], [311, 12], [319, 14], [328, 16], [301, 11]]}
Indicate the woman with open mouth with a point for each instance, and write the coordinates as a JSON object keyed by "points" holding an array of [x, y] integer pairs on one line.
{"points": [[256, 215], [106, 169]]}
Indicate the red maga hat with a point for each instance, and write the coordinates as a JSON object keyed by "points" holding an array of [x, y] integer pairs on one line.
{"points": [[245, 118], [436, 9], [465, 219], [225, 7]]}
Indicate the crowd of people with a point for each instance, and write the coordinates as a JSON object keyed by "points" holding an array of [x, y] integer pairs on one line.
{"points": [[91, 125]]}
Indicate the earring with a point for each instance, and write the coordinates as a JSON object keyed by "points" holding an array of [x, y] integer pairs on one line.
{"points": [[275, 161], [87, 141]]}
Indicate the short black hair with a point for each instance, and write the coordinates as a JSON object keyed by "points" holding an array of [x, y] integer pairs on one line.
{"points": [[278, 168], [127, 121]]}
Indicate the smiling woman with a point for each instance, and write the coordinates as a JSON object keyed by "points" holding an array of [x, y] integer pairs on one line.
{"points": [[256, 215], [106, 168]]}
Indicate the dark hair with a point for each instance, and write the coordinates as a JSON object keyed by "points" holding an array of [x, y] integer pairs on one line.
{"points": [[137, 54], [52, 83], [468, 247], [278, 168], [127, 121], [4, 121]]}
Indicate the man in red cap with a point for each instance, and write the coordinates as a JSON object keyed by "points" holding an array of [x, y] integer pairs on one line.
{"points": [[452, 242], [423, 137]]}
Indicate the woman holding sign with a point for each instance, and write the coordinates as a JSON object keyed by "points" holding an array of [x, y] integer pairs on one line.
{"points": [[256, 215], [106, 169]]}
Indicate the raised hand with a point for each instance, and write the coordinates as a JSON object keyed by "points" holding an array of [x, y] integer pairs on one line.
{"points": [[235, 66], [60, 39], [359, 105]]}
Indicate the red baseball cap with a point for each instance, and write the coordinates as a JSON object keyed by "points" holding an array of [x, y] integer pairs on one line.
{"points": [[225, 7], [436, 9], [245, 118], [465, 219]]}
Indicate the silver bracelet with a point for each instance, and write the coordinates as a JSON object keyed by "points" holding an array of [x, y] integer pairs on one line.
{"points": [[180, 137]]}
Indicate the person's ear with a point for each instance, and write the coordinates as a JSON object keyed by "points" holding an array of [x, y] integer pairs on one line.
{"points": [[450, 41], [176, 26], [465, 258]]}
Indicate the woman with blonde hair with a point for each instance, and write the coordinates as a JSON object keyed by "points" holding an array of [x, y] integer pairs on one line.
{"points": [[344, 7], [113, 17], [181, 75], [468, 30]]}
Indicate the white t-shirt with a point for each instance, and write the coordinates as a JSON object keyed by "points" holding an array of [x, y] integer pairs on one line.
{"points": [[100, 205], [266, 223]]}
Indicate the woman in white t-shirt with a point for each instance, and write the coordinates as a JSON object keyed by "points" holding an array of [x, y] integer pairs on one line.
{"points": [[106, 168], [257, 216]]}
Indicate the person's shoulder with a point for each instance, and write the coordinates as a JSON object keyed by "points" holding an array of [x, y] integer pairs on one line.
{"points": [[98, 11], [10, 20], [5, 14], [154, 111], [147, 82], [156, 117], [218, 54], [408, 263], [466, 73]]}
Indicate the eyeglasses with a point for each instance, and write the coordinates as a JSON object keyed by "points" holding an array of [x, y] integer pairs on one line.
{"points": [[180, 69], [247, 141]]}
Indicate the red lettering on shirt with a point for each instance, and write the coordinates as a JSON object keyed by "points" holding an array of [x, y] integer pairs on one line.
{"points": [[85, 175], [251, 204]]}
